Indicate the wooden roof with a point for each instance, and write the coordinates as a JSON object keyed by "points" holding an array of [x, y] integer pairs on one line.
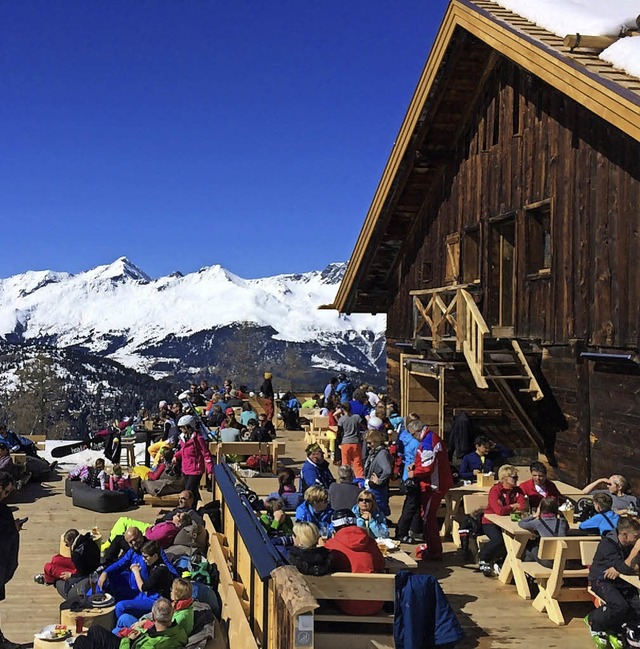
{"points": [[472, 37]]}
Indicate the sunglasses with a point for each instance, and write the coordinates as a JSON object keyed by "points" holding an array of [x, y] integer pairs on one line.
{"points": [[365, 500]]}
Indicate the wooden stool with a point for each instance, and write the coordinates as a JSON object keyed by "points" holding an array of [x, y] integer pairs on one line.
{"points": [[127, 448]]}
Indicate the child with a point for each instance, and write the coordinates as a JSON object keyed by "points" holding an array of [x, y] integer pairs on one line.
{"points": [[546, 522], [618, 554], [94, 476], [274, 519], [605, 519], [120, 482]]}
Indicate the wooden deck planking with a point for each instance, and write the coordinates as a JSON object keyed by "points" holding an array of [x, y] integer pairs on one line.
{"points": [[491, 613]]}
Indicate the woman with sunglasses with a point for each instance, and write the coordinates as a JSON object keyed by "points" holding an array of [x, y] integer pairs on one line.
{"points": [[369, 517], [505, 497]]}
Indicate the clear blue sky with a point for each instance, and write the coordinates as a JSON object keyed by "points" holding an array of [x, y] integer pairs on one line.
{"points": [[185, 133]]}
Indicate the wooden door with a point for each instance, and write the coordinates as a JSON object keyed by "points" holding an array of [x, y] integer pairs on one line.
{"points": [[502, 276]]}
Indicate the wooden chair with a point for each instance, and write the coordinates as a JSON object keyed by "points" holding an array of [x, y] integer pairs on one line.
{"points": [[551, 581]]}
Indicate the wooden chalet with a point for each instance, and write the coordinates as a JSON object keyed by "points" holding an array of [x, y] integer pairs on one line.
{"points": [[502, 242]]}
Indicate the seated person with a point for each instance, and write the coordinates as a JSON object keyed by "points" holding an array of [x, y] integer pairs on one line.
{"points": [[306, 555], [230, 429], [6, 463], [477, 461], [274, 519], [605, 518], [540, 486], [315, 471], [94, 476], [315, 509], [263, 422], [183, 613], [165, 633], [547, 521], [118, 481], [354, 550], [287, 489], [84, 559], [369, 517], [166, 531], [185, 504], [311, 403], [166, 478], [505, 497], [618, 487], [255, 433], [618, 554], [344, 493], [120, 578], [155, 583], [247, 414]]}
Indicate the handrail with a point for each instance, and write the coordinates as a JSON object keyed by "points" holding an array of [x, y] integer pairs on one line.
{"points": [[452, 310], [264, 556]]}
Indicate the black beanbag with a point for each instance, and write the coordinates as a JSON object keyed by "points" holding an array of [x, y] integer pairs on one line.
{"points": [[98, 500]]}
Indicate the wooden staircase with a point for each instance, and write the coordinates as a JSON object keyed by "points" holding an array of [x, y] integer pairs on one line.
{"points": [[449, 316]]}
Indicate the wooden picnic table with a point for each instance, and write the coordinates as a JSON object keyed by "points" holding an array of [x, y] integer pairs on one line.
{"points": [[399, 560], [634, 580]]}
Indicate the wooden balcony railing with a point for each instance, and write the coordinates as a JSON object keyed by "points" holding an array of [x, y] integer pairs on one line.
{"points": [[450, 315]]}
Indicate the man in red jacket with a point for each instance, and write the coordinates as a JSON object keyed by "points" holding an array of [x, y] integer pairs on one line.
{"points": [[354, 550]]}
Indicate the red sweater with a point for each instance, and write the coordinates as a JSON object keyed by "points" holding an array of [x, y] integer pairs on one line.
{"points": [[354, 550], [529, 490], [501, 499]]}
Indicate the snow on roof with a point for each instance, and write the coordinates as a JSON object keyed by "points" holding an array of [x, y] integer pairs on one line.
{"points": [[588, 18]]}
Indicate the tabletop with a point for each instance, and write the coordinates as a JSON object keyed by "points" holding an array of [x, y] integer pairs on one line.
{"points": [[400, 560]]}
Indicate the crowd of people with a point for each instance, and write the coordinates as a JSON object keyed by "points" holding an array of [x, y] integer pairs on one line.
{"points": [[322, 524]]}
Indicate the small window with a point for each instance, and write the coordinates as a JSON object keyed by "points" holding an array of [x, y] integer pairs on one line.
{"points": [[452, 259], [538, 238], [471, 256]]}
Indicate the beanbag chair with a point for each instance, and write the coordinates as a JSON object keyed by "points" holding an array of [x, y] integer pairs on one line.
{"points": [[98, 500]]}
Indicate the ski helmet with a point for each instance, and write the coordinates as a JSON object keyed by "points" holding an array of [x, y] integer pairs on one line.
{"points": [[187, 420]]}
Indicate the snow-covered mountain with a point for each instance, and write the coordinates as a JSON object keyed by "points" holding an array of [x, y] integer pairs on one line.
{"points": [[210, 322]]}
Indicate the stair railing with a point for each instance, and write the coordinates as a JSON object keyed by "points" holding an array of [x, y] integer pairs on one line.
{"points": [[472, 336]]}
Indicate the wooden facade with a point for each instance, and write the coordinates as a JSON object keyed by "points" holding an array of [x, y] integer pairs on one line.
{"points": [[509, 183]]}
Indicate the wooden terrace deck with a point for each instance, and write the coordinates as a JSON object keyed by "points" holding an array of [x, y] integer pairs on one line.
{"points": [[491, 613]]}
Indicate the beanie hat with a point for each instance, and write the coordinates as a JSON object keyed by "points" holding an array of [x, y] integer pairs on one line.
{"points": [[343, 518], [267, 375]]}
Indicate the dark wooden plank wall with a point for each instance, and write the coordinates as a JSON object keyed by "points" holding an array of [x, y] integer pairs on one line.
{"points": [[591, 172], [562, 152]]}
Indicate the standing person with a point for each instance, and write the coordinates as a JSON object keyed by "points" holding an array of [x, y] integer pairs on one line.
{"points": [[432, 474], [266, 390], [329, 391], [9, 546], [350, 439], [377, 468], [193, 455]]}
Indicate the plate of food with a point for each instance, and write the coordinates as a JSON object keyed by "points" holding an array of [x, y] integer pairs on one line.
{"points": [[101, 599], [54, 633], [388, 545]]}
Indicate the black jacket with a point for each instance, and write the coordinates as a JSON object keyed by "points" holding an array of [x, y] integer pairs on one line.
{"points": [[85, 555], [311, 561], [9, 546], [610, 554]]}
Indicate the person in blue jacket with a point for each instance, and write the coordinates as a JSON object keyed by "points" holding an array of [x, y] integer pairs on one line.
{"points": [[344, 389], [369, 517], [605, 518], [316, 509], [477, 461], [315, 470]]}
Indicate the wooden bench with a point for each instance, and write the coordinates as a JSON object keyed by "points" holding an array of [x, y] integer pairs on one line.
{"points": [[551, 581], [38, 440], [470, 503], [348, 585], [275, 449], [169, 501]]}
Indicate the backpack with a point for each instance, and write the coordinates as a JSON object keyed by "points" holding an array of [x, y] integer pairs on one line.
{"points": [[584, 509]]}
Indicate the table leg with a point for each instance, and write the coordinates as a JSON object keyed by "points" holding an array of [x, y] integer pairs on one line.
{"points": [[511, 569], [452, 504]]}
